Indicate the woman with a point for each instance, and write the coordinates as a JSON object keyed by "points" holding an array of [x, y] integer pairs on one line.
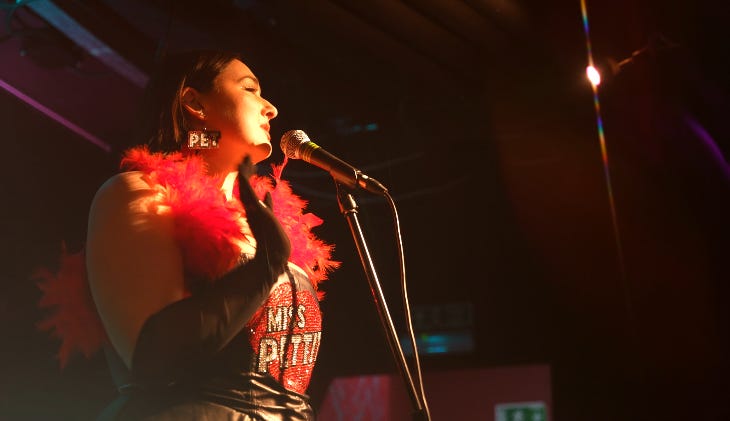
{"points": [[209, 304]]}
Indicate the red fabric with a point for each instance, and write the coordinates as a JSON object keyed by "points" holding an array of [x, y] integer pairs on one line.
{"points": [[206, 229]]}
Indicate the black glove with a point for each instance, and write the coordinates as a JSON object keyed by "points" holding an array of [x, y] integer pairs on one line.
{"points": [[180, 339], [272, 244]]}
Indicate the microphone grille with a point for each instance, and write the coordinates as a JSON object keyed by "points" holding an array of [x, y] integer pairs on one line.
{"points": [[290, 142]]}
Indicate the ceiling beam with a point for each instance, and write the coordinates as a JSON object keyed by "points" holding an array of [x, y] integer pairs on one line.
{"points": [[96, 47]]}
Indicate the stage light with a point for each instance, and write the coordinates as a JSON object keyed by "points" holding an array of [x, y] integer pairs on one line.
{"points": [[594, 76]]}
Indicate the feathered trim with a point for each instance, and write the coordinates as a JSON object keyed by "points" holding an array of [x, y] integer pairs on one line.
{"points": [[206, 224], [72, 315], [207, 229]]}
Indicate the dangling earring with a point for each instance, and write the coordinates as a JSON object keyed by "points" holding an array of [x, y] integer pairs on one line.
{"points": [[203, 139]]}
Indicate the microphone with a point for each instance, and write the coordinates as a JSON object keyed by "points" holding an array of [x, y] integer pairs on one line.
{"points": [[296, 145]]}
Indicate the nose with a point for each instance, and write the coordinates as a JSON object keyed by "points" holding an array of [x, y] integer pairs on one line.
{"points": [[269, 110]]}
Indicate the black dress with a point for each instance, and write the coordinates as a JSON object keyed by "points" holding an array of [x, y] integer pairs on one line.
{"points": [[261, 374]]}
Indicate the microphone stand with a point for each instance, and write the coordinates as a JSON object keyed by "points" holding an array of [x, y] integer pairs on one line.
{"points": [[348, 208]]}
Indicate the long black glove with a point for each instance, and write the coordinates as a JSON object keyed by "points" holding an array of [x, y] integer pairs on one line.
{"points": [[183, 335], [273, 247]]}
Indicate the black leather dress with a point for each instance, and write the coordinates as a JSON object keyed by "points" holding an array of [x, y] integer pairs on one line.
{"points": [[260, 374]]}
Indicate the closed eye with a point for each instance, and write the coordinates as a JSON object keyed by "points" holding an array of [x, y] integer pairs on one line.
{"points": [[250, 84]]}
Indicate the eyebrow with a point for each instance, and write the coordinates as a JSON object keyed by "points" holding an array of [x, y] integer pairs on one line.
{"points": [[253, 78]]}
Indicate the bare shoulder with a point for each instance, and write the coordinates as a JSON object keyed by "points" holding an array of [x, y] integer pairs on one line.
{"points": [[126, 199], [133, 261], [122, 187]]}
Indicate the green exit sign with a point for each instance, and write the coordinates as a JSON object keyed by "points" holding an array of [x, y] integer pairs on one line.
{"points": [[521, 411]]}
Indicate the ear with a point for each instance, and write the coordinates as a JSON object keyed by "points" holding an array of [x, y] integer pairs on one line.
{"points": [[190, 101]]}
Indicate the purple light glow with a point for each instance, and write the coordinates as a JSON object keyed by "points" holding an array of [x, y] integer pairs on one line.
{"points": [[710, 143], [55, 116]]}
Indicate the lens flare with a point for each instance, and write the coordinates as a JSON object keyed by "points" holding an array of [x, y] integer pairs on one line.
{"points": [[595, 79]]}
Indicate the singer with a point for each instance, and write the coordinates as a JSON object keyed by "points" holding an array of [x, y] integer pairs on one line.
{"points": [[198, 278]]}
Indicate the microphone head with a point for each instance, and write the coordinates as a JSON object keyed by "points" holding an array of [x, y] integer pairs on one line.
{"points": [[291, 142]]}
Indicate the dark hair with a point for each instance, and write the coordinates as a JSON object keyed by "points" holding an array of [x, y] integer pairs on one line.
{"points": [[163, 124]]}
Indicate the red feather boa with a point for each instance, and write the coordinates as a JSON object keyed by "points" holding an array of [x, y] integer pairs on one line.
{"points": [[207, 231]]}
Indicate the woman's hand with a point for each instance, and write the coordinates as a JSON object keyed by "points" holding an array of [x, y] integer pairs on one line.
{"points": [[272, 244]]}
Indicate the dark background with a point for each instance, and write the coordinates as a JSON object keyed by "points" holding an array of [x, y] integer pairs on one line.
{"points": [[485, 133]]}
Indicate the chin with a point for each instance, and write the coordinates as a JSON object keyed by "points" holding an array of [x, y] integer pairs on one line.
{"points": [[260, 152]]}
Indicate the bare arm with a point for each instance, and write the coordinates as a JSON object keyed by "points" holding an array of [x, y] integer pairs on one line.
{"points": [[134, 264]]}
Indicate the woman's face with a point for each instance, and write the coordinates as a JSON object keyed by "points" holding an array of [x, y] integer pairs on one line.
{"points": [[236, 108]]}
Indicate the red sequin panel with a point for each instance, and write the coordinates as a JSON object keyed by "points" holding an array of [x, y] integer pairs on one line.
{"points": [[286, 334]]}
